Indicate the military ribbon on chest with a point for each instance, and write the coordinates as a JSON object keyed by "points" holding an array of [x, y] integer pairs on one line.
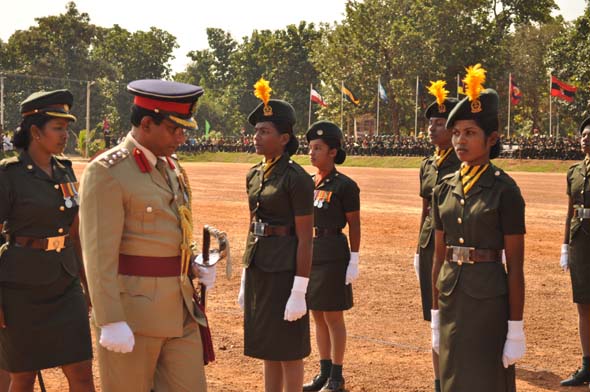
{"points": [[321, 199], [70, 193]]}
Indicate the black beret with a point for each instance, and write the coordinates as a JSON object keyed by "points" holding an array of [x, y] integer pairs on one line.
{"points": [[323, 130], [483, 108], [55, 103], [441, 111], [280, 111], [176, 101], [585, 123]]}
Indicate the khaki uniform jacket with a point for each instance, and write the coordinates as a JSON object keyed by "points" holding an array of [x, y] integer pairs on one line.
{"points": [[125, 211]]}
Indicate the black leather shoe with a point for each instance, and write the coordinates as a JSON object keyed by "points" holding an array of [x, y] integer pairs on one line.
{"points": [[579, 377], [334, 386], [314, 386]]}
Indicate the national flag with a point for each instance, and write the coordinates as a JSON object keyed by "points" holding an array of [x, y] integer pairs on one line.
{"points": [[207, 128], [382, 93], [515, 93], [317, 98], [460, 86], [562, 90], [350, 96]]}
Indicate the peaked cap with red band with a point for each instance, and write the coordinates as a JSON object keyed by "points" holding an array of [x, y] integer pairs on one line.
{"points": [[175, 101]]}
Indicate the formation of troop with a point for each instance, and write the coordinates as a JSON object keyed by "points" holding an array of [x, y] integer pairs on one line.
{"points": [[120, 245]]}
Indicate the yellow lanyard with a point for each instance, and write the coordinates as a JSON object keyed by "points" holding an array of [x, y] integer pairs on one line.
{"points": [[470, 175], [267, 166], [441, 155]]}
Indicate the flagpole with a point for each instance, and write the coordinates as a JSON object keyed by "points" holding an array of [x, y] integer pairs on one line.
{"points": [[550, 120], [416, 109], [378, 99], [458, 86], [509, 101], [309, 117], [341, 104]]}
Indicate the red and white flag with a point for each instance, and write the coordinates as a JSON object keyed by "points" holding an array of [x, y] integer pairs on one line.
{"points": [[317, 98]]}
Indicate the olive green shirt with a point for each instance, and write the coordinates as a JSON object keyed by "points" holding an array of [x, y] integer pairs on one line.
{"points": [[32, 204], [578, 188], [430, 176], [286, 193], [335, 196], [492, 209]]}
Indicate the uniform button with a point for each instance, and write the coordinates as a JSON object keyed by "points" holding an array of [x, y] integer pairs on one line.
{"points": [[60, 230], [30, 167], [461, 240], [459, 220], [149, 209], [62, 208], [56, 186], [328, 180], [462, 202], [175, 197], [497, 173], [582, 192]]}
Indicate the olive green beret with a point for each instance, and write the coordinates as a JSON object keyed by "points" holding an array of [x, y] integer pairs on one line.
{"points": [[441, 111], [322, 130], [55, 103], [483, 108], [277, 111], [585, 123]]}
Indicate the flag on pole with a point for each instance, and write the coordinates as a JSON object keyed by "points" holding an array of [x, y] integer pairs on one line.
{"points": [[207, 127], [460, 86], [317, 98], [562, 90], [350, 96], [515, 93], [382, 93], [421, 96]]}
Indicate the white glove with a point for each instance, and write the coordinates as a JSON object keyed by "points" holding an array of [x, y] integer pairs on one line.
{"points": [[296, 306], [564, 259], [117, 337], [352, 271], [206, 275], [242, 289], [417, 266], [435, 326], [515, 345]]}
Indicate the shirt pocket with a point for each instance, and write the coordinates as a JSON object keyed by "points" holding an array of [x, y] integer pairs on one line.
{"points": [[137, 286], [143, 215]]}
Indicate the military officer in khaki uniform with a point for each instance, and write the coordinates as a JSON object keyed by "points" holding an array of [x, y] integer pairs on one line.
{"points": [[477, 326], [575, 251], [335, 265], [278, 251], [133, 204], [432, 170]]}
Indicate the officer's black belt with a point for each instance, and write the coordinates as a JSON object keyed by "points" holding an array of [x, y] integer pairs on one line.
{"points": [[581, 212], [262, 229], [466, 255], [325, 232], [47, 244]]}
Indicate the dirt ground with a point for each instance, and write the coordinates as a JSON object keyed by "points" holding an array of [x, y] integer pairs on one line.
{"points": [[389, 344]]}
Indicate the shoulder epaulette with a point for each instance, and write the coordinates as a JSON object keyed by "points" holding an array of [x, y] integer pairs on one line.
{"points": [[113, 157], [4, 163], [64, 161], [449, 176]]}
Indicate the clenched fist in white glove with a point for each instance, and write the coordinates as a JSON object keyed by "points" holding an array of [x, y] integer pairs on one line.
{"points": [[564, 259], [515, 345], [296, 305], [117, 337], [206, 275], [417, 265], [435, 326], [242, 289], [352, 271]]}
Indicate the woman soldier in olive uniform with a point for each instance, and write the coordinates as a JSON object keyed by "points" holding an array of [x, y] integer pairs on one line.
{"points": [[44, 315], [432, 170], [334, 266], [575, 251], [478, 211], [278, 252]]}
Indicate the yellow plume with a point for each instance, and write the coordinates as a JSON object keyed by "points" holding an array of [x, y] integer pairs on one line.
{"points": [[474, 80], [438, 90], [262, 90]]}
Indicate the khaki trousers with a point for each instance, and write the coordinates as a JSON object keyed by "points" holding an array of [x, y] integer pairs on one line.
{"points": [[158, 364]]}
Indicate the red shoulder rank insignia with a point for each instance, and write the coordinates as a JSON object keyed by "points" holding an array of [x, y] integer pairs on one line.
{"points": [[142, 161], [171, 163]]}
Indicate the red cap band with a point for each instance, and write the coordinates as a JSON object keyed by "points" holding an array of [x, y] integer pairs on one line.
{"points": [[166, 106]]}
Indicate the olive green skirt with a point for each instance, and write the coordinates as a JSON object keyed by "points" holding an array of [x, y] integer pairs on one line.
{"points": [[472, 336], [266, 334], [327, 290], [46, 326], [579, 266], [425, 277]]}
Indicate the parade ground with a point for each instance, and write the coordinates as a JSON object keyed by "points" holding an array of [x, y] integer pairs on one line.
{"points": [[389, 343]]}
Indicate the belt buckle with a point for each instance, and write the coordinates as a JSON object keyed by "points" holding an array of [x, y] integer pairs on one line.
{"points": [[583, 213], [56, 243], [258, 229], [461, 254]]}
